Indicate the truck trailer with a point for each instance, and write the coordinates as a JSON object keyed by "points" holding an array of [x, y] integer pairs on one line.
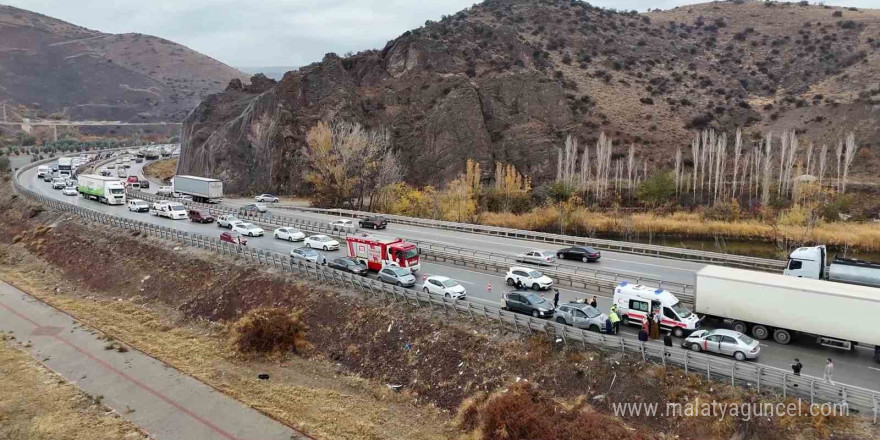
{"points": [[377, 251], [812, 262], [781, 307], [104, 189], [201, 189]]}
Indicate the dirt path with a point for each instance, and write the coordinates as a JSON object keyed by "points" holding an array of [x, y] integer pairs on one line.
{"points": [[161, 400]]}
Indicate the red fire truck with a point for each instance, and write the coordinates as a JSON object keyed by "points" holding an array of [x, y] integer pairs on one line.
{"points": [[377, 251]]}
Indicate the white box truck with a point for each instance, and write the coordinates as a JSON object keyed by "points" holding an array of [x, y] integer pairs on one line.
{"points": [[778, 306], [201, 189], [812, 262], [104, 189]]}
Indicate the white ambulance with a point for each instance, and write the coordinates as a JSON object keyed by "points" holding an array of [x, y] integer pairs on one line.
{"points": [[635, 301]]}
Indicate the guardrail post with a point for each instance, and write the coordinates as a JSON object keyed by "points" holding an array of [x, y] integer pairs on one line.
{"points": [[708, 369], [733, 373], [687, 355], [812, 390], [761, 373], [874, 401]]}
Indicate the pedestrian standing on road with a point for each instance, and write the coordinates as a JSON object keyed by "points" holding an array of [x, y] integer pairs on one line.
{"points": [[829, 371], [556, 298], [667, 341], [796, 368], [593, 301], [609, 328], [655, 326], [643, 335], [615, 320]]}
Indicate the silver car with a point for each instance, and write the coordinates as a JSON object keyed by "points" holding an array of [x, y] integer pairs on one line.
{"points": [[397, 275], [726, 342], [580, 316], [308, 254], [537, 257]]}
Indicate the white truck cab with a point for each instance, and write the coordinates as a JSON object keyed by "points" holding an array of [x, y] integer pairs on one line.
{"points": [[635, 301], [42, 170]]}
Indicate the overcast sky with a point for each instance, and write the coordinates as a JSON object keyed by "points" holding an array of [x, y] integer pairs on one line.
{"points": [[280, 32]]}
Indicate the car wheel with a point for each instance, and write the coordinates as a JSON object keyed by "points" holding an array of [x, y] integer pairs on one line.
{"points": [[678, 332], [425, 290], [399, 284], [535, 313], [375, 227], [560, 320], [585, 260], [594, 328], [696, 347], [760, 332], [290, 238], [561, 256], [447, 295], [309, 245], [510, 282], [536, 287], [325, 249], [740, 356]]}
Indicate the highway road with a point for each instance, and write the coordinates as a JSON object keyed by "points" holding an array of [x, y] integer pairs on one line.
{"points": [[854, 368]]}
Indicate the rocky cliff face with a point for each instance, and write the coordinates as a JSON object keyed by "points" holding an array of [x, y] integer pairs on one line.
{"points": [[507, 80]]}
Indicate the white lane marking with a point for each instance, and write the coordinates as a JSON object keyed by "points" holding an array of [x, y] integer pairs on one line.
{"points": [[873, 368]]}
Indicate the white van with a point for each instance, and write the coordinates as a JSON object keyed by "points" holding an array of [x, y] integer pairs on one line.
{"points": [[634, 301], [42, 170]]}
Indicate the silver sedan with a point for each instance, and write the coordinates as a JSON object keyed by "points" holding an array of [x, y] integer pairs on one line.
{"points": [[581, 316], [726, 342], [537, 257]]}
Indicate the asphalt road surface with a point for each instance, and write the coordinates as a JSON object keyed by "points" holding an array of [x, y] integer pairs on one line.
{"points": [[854, 368]]}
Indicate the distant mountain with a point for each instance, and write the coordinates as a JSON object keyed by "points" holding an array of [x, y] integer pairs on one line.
{"points": [[508, 80], [274, 72], [57, 68]]}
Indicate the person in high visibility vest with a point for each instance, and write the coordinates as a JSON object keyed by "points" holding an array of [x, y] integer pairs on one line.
{"points": [[615, 320]]}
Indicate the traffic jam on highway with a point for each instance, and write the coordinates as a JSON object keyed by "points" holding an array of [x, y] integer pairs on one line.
{"points": [[731, 313]]}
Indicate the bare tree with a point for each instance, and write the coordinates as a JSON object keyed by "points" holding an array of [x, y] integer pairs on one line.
{"points": [[849, 155], [678, 182], [810, 158], [629, 166], [585, 168], [695, 150], [768, 169], [737, 150], [823, 160], [839, 155]]}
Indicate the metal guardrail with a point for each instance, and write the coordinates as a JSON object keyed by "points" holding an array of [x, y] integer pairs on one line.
{"points": [[609, 245], [601, 281], [747, 374]]}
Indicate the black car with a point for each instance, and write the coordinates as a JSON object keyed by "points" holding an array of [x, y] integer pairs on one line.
{"points": [[524, 301], [349, 265], [583, 253], [144, 183], [375, 222]]}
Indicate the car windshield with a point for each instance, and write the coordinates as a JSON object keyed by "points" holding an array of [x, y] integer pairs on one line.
{"points": [[324, 238], [232, 219], [534, 299], [680, 310], [745, 339], [250, 226], [411, 253], [591, 312], [535, 274], [176, 207], [116, 191], [450, 283], [139, 204], [308, 252], [401, 272]]}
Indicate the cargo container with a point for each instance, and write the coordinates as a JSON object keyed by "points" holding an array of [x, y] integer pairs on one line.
{"points": [[201, 189], [107, 190]]}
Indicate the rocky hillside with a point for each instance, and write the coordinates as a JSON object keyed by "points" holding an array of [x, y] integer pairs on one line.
{"points": [[507, 80], [60, 70]]}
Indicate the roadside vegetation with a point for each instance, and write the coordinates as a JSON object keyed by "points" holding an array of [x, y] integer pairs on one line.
{"points": [[163, 169], [777, 188], [37, 404]]}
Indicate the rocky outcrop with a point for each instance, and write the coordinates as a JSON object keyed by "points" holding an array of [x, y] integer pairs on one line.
{"points": [[507, 80]]}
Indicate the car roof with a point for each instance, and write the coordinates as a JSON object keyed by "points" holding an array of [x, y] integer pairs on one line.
{"points": [[318, 236], [440, 278], [723, 332], [523, 268]]}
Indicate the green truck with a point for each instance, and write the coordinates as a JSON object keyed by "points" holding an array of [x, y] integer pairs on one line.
{"points": [[104, 189]]}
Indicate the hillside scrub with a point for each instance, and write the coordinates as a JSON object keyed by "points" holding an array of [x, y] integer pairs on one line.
{"points": [[270, 330], [163, 169]]}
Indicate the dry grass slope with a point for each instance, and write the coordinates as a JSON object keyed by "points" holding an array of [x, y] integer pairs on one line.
{"points": [[37, 404], [163, 169]]}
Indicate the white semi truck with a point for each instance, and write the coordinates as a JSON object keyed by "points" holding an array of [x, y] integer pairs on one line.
{"points": [[201, 189], [812, 262], [780, 307], [104, 189]]}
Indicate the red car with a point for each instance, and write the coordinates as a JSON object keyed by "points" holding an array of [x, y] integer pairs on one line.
{"points": [[233, 237], [200, 215]]}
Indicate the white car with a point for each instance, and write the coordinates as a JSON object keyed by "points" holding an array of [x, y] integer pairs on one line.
{"points": [[227, 220], [69, 191], [343, 225], [58, 183], [137, 205], [528, 278], [249, 229], [164, 191], [322, 242], [440, 285], [267, 198], [289, 234]]}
